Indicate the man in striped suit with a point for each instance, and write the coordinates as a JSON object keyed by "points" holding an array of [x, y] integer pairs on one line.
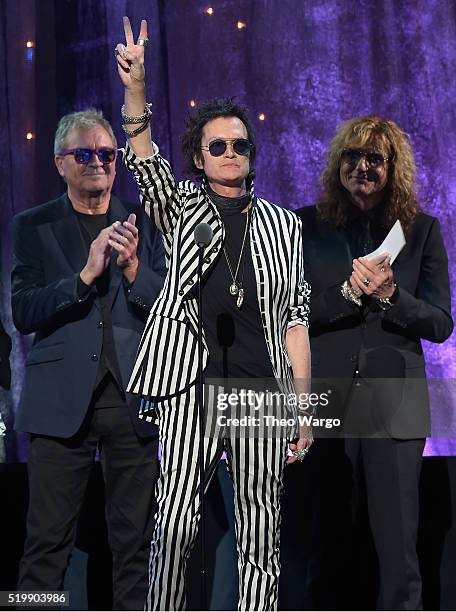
{"points": [[254, 287]]}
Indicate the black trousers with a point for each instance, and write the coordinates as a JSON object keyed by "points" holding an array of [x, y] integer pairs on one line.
{"points": [[390, 470], [58, 474]]}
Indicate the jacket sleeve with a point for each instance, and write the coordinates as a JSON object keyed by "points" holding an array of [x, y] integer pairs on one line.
{"points": [[329, 306], [160, 194], [427, 314], [300, 290], [35, 303], [151, 271]]}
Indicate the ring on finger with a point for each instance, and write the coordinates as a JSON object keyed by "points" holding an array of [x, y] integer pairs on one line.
{"points": [[143, 42], [300, 453], [366, 282]]}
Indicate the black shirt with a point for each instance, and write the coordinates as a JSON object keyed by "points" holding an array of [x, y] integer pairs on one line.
{"points": [[108, 390], [235, 336]]}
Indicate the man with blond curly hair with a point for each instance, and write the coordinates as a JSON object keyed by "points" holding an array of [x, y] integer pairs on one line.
{"points": [[367, 319]]}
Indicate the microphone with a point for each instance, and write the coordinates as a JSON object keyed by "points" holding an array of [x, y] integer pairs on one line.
{"points": [[203, 235]]}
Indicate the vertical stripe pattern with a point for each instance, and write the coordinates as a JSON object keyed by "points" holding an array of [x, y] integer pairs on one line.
{"points": [[169, 338], [166, 367], [256, 466]]}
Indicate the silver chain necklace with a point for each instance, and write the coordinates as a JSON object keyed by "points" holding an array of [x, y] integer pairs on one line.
{"points": [[236, 287]]}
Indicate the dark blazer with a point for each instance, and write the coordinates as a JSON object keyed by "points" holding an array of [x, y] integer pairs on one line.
{"points": [[5, 350], [370, 341], [49, 253]]}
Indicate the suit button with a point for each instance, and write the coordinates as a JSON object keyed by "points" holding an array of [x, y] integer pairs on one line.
{"points": [[94, 357], [190, 281], [138, 300], [356, 372], [207, 260], [215, 249], [181, 292], [100, 324]]}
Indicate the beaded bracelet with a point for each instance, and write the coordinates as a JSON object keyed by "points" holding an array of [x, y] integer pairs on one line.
{"points": [[348, 293], [137, 118]]}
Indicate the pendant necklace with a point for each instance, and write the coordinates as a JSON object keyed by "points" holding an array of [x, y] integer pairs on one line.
{"points": [[236, 285]]}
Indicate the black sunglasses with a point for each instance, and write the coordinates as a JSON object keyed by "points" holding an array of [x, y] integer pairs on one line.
{"points": [[83, 156], [241, 146], [373, 160]]}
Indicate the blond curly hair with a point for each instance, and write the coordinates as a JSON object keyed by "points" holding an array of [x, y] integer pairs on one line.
{"points": [[400, 194]]}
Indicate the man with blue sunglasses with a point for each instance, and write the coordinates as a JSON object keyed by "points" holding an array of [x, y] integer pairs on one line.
{"points": [[87, 268]]}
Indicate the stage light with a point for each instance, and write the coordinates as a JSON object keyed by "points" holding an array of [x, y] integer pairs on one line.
{"points": [[262, 117], [30, 50], [29, 136], [241, 25], [210, 10], [192, 103]]}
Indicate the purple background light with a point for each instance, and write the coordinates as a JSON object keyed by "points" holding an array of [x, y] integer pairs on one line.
{"points": [[307, 66]]}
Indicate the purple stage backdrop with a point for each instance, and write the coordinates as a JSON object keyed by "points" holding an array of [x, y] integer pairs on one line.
{"points": [[301, 67]]}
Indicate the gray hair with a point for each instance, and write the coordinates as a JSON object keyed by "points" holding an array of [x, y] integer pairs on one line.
{"points": [[82, 120]]}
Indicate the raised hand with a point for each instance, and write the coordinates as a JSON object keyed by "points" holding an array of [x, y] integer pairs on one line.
{"points": [[130, 56]]}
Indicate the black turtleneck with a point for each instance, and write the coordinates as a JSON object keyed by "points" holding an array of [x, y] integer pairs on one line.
{"points": [[235, 336]]}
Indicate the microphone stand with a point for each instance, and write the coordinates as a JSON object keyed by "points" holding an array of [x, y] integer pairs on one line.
{"points": [[203, 235], [201, 422]]}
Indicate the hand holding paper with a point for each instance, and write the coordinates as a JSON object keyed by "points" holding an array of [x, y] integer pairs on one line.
{"points": [[393, 244], [372, 274]]}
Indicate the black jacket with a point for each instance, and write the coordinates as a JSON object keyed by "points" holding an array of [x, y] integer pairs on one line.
{"points": [[49, 253], [370, 342]]}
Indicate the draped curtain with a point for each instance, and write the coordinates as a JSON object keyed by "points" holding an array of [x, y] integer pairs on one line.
{"points": [[301, 67]]}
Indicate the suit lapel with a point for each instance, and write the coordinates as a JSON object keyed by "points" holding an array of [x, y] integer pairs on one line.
{"points": [[327, 256], [204, 212], [69, 237]]}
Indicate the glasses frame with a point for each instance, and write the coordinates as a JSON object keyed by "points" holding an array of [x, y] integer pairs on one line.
{"points": [[96, 152], [228, 141], [364, 154]]}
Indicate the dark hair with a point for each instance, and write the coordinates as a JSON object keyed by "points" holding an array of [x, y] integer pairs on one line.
{"points": [[212, 109]]}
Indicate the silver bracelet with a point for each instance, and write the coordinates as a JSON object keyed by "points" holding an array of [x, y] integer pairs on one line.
{"points": [[137, 118], [386, 303], [348, 294]]}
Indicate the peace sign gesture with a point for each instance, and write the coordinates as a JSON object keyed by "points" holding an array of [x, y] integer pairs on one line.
{"points": [[130, 57]]}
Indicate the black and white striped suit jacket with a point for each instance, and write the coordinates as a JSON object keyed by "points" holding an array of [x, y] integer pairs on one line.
{"points": [[166, 362]]}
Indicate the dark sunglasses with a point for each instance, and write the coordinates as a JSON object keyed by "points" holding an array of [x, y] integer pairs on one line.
{"points": [[241, 146], [83, 156], [373, 160]]}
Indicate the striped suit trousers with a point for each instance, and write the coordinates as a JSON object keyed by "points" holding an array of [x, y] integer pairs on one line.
{"points": [[256, 466]]}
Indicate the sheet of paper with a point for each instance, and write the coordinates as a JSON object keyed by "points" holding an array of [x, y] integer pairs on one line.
{"points": [[393, 243]]}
